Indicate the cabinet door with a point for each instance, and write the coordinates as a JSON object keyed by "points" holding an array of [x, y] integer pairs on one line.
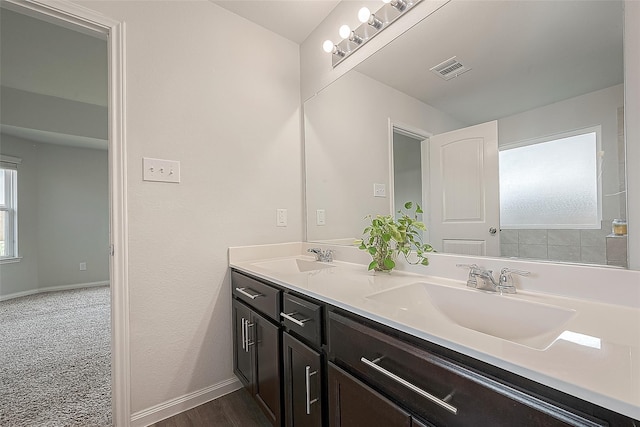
{"points": [[264, 337], [302, 384], [352, 403], [242, 353]]}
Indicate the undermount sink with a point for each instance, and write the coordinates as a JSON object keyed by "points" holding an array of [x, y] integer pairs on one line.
{"points": [[529, 323], [292, 265]]}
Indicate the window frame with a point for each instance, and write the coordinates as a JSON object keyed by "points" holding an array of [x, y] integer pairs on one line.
{"points": [[9, 168], [598, 162]]}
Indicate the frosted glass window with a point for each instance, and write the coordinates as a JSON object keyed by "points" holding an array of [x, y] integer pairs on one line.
{"points": [[551, 184]]}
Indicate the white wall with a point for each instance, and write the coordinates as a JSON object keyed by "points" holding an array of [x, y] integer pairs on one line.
{"points": [[347, 150], [221, 95], [62, 217]]}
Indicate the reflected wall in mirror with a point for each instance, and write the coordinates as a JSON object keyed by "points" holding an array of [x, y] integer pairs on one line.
{"points": [[538, 71]]}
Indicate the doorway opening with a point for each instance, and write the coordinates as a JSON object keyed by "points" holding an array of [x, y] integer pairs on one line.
{"points": [[409, 178], [86, 21]]}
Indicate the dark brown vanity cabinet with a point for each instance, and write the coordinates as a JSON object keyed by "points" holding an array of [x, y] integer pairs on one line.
{"points": [[310, 364], [257, 343], [435, 389], [303, 362], [302, 384], [353, 403]]}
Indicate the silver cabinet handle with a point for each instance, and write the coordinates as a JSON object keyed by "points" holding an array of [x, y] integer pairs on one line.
{"points": [[244, 334], [289, 316], [248, 343], [247, 294], [307, 382], [410, 386]]}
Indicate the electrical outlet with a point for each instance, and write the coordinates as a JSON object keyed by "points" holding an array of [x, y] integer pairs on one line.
{"points": [[320, 217], [83, 266], [281, 217], [379, 190], [160, 170]]}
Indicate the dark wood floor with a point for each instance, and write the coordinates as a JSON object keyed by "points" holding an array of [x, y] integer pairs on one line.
{"points": [[236, 409]]}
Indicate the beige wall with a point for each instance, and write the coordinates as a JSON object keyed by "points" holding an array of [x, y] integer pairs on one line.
{"points": [[221, 95]]}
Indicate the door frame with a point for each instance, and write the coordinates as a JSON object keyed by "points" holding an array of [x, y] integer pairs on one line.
{"points": [[78, 18], [418, 134]]}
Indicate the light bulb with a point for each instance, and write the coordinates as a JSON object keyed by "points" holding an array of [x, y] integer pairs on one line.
{"points": [[328, 46], [344, 31], [364, 14]]}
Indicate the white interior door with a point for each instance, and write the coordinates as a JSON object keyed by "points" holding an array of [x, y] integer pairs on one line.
{"points": [[464, 197]]}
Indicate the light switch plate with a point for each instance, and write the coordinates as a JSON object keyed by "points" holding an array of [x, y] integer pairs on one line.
{"points": [[320, 217], [160, 170], [379, 190]]}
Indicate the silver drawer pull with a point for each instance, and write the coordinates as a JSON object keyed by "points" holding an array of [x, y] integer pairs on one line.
{"points": [[307, 382], [244, 334], [289, 316], [410, 386], [248, 343], [247, 294]]}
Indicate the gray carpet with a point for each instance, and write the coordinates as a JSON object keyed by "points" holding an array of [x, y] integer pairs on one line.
{"points": [[55, 359]]}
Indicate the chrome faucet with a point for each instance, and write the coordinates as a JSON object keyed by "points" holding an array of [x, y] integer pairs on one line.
{"points": [[322, 255], [504, 284]]}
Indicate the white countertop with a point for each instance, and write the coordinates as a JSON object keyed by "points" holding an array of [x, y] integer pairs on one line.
{"points": [[597, 361]]}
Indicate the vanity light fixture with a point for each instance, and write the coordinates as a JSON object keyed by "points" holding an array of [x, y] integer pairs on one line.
{"points": [[372, 24], [344, 31], [398, 4], [329, 47], [366, 17]]}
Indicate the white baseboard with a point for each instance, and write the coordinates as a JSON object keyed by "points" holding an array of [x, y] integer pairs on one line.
{"points": [[53, 289], [183, 403]]}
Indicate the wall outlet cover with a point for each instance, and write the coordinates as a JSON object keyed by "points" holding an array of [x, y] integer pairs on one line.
{"points": [[281, 217], [379, 190]]}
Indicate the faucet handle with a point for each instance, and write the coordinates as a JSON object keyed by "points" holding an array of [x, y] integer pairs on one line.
{"points": [[472, 282], [316, 252], [328, 257], [505, 283], [507, 271]]}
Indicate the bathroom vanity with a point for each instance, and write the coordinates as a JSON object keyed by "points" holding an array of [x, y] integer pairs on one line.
{"points": [[330, 344]]}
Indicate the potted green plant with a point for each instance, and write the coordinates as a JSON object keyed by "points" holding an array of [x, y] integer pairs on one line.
{"points": [[387, 237]]}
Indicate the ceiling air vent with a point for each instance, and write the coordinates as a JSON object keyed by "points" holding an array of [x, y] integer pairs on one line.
{"points": [[450, 68]]}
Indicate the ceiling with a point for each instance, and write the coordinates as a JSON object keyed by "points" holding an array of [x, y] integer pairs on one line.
{"points": [[57, 64], [292, 19]]}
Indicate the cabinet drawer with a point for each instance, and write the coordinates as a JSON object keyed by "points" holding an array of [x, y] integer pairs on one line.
{"points": [[436, 389], [302, 317], [258, 295], [352, 403]]}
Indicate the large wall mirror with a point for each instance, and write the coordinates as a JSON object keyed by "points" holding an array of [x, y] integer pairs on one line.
{"points": [[505, 119]]}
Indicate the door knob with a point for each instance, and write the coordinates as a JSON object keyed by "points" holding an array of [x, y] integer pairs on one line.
{"points": [[492, 231]]}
